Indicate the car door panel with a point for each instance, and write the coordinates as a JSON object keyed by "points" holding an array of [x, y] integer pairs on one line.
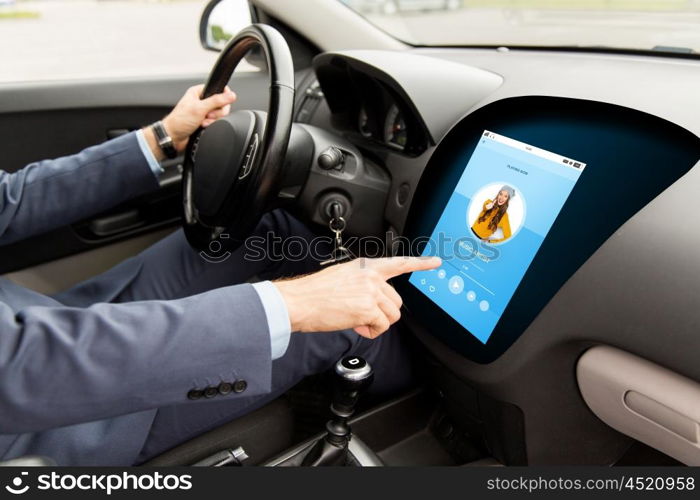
{"points": [[60, 274], [48, 120]]}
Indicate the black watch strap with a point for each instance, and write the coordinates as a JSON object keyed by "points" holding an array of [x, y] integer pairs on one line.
{"points": [[165, 142]]}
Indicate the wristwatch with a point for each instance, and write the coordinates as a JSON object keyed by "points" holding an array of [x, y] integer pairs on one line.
{"points": [[165, 142]]}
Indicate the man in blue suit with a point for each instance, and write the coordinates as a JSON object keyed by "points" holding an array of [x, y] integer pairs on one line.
{"points": [[166, 345]]}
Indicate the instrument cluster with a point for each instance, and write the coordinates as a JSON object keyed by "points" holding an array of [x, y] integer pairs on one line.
{"points": [[390, 127], [370, 107]]}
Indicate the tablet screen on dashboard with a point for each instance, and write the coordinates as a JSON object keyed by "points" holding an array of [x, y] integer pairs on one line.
{"points": [[495, 221]]}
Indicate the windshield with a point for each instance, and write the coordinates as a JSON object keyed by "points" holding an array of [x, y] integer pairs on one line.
{"points": [[665, 25]]}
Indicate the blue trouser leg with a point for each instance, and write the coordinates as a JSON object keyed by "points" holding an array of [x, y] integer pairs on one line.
{"points": [[171, 269]]}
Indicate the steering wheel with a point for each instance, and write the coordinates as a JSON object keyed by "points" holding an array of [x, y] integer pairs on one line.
{"points": [[232, 168]]}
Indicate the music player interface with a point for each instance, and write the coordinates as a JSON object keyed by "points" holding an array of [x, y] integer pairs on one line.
{"points": [[493, 225]]}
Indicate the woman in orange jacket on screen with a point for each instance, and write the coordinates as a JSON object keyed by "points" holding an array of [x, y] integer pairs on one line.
{"points": [[492, 225]]}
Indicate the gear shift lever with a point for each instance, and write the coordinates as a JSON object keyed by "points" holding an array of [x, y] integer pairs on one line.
{"points": [[352, 375]]}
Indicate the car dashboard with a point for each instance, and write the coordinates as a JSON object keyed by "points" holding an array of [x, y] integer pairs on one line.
{"points": [[609, 246]]}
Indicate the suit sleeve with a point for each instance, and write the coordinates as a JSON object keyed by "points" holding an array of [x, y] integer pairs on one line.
{"points": [[52, 193], [61, 365]]}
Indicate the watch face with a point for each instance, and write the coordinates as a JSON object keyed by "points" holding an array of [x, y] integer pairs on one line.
{"points": [[165, 142]]}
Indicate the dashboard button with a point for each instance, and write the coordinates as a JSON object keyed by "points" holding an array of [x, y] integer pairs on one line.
{"points": [[402, 193]]}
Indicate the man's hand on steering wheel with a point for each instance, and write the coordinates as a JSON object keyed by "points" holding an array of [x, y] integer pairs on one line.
{"points": [[190, 113]]}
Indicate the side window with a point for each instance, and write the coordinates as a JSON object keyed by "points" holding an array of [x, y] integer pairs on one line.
{"points": [[77, 39]]}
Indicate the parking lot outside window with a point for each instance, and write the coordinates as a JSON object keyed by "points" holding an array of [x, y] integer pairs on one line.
{"points": [[45, 40]]}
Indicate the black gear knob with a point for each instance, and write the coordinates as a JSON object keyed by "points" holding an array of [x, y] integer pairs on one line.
{"points": [[353, 375]]}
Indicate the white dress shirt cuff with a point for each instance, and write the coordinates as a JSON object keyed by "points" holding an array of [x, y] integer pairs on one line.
{"points": [[277, 317], [148, 154]]}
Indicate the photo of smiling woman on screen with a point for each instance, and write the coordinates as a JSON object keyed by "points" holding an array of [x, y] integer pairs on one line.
{"points": [[493, 225]]}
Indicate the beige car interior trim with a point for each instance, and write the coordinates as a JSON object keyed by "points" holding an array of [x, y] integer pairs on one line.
{"points": [[55, 276], [643, 400], [330, 24]]}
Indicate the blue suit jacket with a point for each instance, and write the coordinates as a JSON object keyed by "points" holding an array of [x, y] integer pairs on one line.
{"points": [[81, 385]]}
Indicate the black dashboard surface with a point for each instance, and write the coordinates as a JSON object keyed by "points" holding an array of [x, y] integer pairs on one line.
{"points": [[631, 157]]}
